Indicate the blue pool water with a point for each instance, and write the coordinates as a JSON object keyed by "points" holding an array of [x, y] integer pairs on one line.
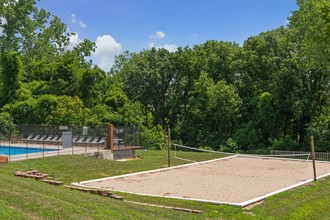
{"points": [[21, 150]]}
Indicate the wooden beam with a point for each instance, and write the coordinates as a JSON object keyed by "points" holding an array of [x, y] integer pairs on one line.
{"points": [[313, 157]]}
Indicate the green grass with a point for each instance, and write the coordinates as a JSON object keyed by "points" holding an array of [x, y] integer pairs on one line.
{"points": [[30, 199]]}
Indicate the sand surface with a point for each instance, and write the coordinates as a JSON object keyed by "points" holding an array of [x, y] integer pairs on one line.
{"points": [[234, 180]]}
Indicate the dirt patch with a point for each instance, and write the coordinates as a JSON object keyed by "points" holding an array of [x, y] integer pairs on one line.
{"points": [[248, 207]]}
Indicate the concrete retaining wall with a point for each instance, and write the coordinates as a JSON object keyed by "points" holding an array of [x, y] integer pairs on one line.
{"points": [[120, 154]]}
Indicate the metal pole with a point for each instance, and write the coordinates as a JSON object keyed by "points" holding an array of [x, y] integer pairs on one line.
{"points": [[313, 157], [169, 146], [85, 144], [27, 145], [140, 137], [43, 144], [9, 145], [72, 141], [58, 143]]}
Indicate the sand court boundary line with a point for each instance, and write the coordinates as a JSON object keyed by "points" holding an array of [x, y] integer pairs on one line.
{"points": [[240, 204], [152, 171], [257, 199]]}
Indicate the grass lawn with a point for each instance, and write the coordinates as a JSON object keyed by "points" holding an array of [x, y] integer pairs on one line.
{"points": [[30, 199]]}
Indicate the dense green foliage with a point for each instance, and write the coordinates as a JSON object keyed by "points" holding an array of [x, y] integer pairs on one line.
{"points": [[11, 71], [271, 92], [30, 199]]}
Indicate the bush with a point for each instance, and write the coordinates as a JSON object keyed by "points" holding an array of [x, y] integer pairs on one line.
{"points": [[230, 146], [7, 125], [248, 137], [154, 138], [206, 148], [319, 127], [284, 143], [22, 112]]}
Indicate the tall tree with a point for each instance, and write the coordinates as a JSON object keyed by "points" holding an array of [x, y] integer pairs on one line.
{"points": [[214, 110], [89, 84], [28, 29], [35, 33], [11, 72], [147, 77], [219, 59], [311, 24]]}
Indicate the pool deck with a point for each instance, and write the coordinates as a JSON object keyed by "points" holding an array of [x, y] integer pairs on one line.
{"points": [[57, 150]]}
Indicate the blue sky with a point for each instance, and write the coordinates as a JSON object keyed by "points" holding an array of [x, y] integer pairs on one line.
{"points": [[134, 25]]}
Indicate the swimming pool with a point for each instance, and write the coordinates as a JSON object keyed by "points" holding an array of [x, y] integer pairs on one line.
{"points": [[6, 150]]}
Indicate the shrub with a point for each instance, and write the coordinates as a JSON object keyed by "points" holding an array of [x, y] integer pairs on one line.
{"points": [[230, 146], [284, 143], [154, 138], [7, 125]]}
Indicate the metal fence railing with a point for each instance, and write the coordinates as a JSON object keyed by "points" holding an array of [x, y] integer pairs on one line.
{"points": [[127, 137], [324, 156], [34, 141]]}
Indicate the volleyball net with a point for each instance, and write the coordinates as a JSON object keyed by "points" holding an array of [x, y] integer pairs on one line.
{"points": [[193, 154]]}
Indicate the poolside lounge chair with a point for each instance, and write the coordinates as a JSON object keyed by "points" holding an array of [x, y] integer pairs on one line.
{"points": [[53, 139], [80, 140], [42, 138], [59, 140], [50, 137], [29, 137], [101, 141], [88, 140], [56, 139], [75, 138], [37, 137], [95, 140]]}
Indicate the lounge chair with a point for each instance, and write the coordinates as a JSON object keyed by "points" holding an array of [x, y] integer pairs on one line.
{"points": [[49, 138], [95, 140], [37, 137], [79, 141], [42, 138], [74, 139], [29, 137], [101, 141], [88, 140], [82, 140], [56, 139]]}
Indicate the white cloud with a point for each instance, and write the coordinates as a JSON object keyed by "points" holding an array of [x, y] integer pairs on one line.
{"points": [[73, 18], [156, 39], [10, 3], [151, 44], [169, 47], [82, 24], [74, 21], [106, 50], [2, 21], [160, 35], [73, 40]]}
